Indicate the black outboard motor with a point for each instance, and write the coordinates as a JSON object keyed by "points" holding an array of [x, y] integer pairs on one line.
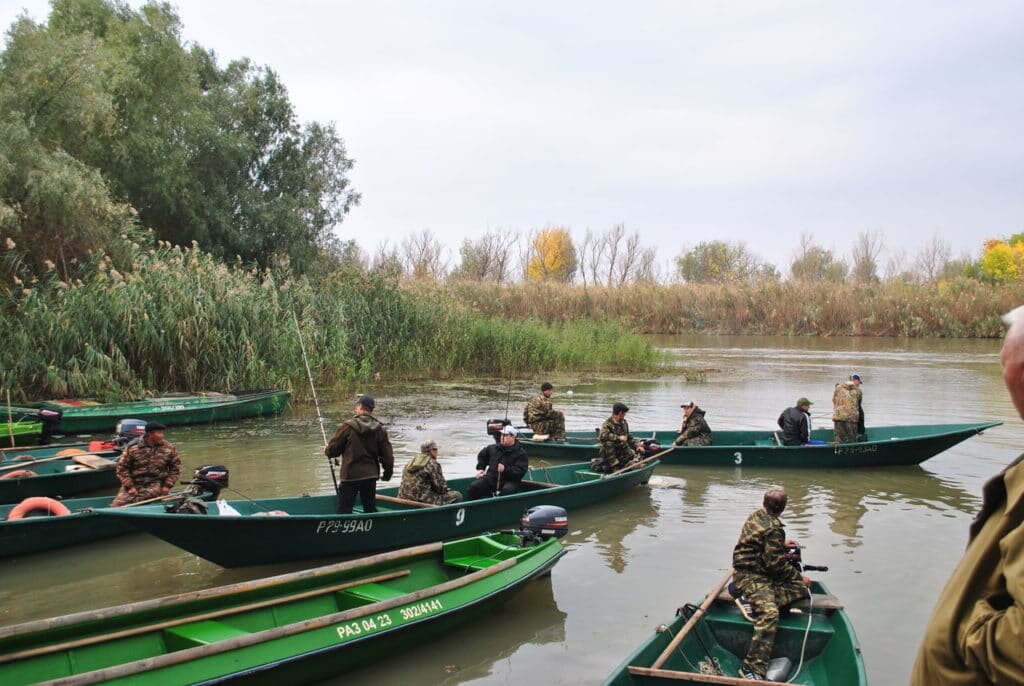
{"points": [[795, 558], [128, 432], [541, 523], [210, 478], [494, 427]]}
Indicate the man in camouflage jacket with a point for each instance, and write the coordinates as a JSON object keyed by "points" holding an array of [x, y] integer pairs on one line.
{"points": [[147, 469], [423, 480], [847, 414], [764, 576], [365, 450], [695, 430], [616, 447], [542, 417]]}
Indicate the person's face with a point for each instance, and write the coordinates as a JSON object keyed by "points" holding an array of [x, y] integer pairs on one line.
{"points": [[619, 416], [155, 437], [805, 408], [856, 382], [432, 452], [1012, 358], [506, 440], [548, 392], [687, 411]]}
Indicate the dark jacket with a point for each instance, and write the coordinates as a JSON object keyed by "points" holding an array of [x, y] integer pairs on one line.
{"points": [[513, 457], [364, 447], [795, 426]]}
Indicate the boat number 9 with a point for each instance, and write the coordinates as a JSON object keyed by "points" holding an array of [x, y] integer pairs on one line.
{"points": [[739, 457], [460, 516]]}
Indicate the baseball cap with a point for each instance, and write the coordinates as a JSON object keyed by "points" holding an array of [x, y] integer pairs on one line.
{"points": [[510, 431], [803, 401], [367, 401], [689, 404], [856, 376]]}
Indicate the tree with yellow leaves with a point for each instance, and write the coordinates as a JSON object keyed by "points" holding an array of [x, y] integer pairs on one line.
{"points": [[1003, 261], [552, 256]]}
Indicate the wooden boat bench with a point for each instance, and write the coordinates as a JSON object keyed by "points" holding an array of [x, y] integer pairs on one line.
{"points": [[829, 603], [529, 485], [373, 592], [199, 634]]}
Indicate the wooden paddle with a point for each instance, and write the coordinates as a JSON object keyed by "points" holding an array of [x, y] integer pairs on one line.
{"points": [[21, 464], [641, 463], [711, 597], [402, 501]]}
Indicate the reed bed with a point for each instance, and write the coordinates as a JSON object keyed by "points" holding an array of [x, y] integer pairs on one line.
{"points": [[179, 319], [958, 308]]}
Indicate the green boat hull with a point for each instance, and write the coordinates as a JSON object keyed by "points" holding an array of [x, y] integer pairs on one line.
{"points": [[54, 479], [832, 656], [313, 529], [887, 446], [24, 432], [171, 410], [295, 628]]}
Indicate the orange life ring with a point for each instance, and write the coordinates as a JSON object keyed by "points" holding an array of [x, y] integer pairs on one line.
{"points": [[18, 474], [27, 506]]}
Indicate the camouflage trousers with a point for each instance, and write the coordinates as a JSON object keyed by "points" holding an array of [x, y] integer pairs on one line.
{"points": [[143, 492], [846, 432], [696, 440], [555, 428], [766, 597]]}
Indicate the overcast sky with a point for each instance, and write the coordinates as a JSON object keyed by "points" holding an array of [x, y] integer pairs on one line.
{"points": [[686, 121]]}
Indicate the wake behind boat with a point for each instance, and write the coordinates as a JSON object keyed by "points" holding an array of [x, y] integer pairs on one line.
{"points": [[885, 446], [251, 532]]}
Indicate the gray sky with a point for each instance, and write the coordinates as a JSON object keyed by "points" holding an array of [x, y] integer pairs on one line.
{"points": [[687, 121]]}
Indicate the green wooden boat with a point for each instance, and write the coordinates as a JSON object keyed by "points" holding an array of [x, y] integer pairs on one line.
{"points": [[886, 446], [47, 473], [298, 627], [86, 416], [313, 529], [713, 649], [23, 430]]}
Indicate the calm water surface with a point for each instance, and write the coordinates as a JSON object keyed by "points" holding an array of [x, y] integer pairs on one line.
{"points": [[890, 536]]}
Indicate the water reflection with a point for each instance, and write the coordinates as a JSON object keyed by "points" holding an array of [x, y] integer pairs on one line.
{"points": [[608, 528], [476, 650]]}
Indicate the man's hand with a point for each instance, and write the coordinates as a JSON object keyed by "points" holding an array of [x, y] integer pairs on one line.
{"points": [[164, 490], [132, 491], [623, 438], [501, 468], [806, 580], [479, 473]]}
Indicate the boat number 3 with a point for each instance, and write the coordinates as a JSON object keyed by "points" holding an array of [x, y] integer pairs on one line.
{"points": [[739, 457], [460, 516]]}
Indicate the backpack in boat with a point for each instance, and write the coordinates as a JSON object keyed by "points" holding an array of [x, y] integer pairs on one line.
{"points": [[190, 505]]}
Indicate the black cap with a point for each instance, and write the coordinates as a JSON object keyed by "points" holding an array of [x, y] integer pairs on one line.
{"points": [[154, 426], [619, 407], [367, 401], [546, 386]]}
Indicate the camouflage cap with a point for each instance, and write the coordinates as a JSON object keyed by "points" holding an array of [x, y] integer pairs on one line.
{"points": [[427, 446], [803, 401]]}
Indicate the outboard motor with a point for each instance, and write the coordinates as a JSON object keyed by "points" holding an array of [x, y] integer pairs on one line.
{"points": [[541, 523], [49, 418], [210, 478], [129, 431], [795, 558], [494, 427]]}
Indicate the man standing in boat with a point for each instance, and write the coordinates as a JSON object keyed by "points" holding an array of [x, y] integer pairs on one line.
{"points": [[764, 580], [147, 469], [695, 430], [617, 447], [976, 631], [542, 417], [364, 447], [500, 467], [847, 413], [795, 423]]}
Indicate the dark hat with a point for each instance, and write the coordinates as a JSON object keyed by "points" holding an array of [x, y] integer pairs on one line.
{"points": [[367, 401], [154, 426], [856, 376], [803, 401], [619, 407], [546, 386]]}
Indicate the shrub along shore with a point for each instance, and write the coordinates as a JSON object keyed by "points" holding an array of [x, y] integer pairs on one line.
{"points": [[179, 319]]}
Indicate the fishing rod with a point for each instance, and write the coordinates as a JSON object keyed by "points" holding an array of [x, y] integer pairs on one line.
{"points": [[316, 402]]}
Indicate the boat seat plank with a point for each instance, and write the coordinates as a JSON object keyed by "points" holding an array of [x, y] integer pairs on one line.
{"points": [[670, 674], [821, 601], [200, 633], [374, 592], [538, 485], [586, 475]]}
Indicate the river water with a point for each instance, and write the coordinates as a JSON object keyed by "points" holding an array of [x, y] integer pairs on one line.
{"points": [[890, 536]]}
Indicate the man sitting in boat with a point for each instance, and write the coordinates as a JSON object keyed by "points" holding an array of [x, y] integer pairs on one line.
{"points": [[616, 446], [695, 430], [423, 480], [543, 418], [795, 423], [764, 579], [500, 467], [847, 413], [147, 469]]}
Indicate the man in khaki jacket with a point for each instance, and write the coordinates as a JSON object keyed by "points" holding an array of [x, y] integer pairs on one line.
{"points": [[976, 632]]}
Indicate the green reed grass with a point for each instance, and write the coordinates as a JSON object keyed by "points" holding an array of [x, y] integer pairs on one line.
{"points": [[179, 319]]}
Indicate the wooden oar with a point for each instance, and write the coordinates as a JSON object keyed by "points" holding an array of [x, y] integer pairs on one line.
{"points": [[641, 463], [223, 612], [695, 678], [711, 597], [402, 501]]}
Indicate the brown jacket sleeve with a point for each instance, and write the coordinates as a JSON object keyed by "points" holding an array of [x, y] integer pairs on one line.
{"points": [[339, 441]]}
